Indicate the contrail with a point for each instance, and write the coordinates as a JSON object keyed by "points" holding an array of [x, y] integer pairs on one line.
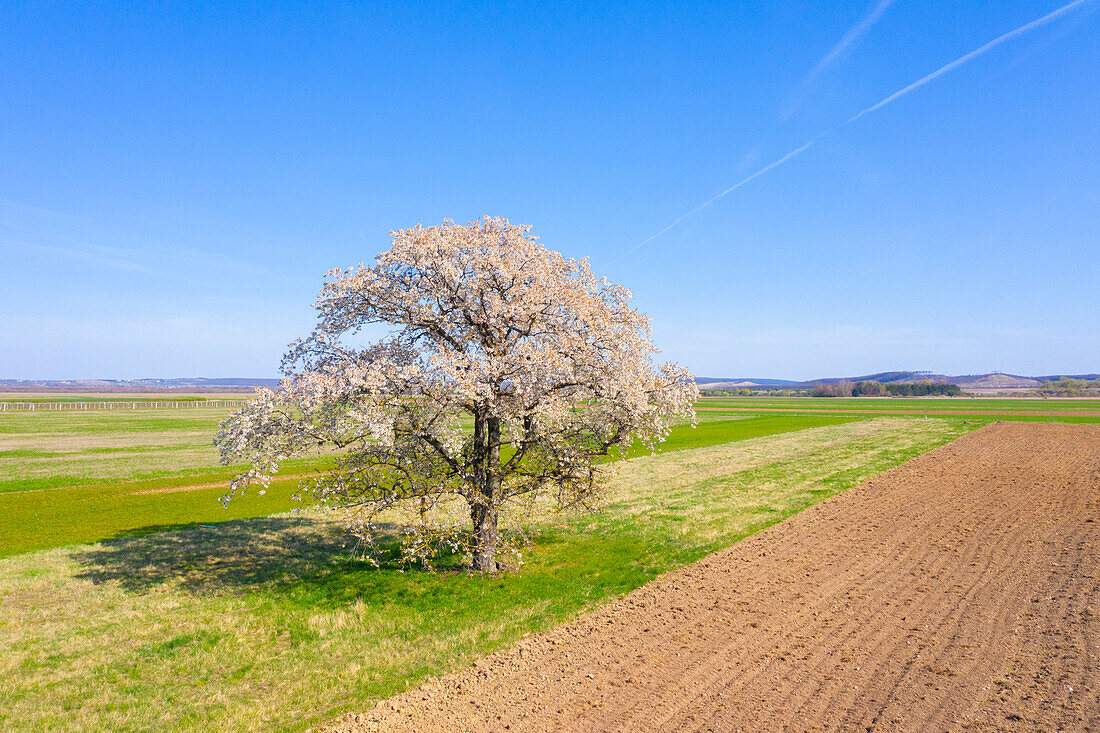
{"points": [[972, 55], [854, 33], [707, 203], [915, 85]]}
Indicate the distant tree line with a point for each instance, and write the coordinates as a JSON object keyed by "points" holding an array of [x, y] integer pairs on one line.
{"points": [[845, 388], [1069, 387], [848, 388], [924, 389]]}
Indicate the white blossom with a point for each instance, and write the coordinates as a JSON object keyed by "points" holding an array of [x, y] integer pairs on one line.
{"points": [[549, 363]]}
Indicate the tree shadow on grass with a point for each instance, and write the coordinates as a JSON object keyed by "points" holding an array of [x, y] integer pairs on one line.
{"points": [[238, 556]]}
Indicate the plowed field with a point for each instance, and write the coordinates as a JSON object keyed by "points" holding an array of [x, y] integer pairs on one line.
{"points": [[960, 591]]}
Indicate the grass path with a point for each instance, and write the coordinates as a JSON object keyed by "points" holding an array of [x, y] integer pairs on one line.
{"points": [[266, 623]]}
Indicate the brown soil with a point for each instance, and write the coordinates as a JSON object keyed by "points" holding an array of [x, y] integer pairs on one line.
{"points": [[960, 591]]}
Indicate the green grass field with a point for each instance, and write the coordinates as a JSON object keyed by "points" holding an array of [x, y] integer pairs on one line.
{"points": [[69, 478], [269, 624], [55, 449], [74, 477], [1075, 410], [131, 599]]}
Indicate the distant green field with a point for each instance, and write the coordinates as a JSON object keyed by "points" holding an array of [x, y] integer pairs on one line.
{"points": [[81, 477], [715, 432], [1006, 409], [68, 397], [53, 449]]}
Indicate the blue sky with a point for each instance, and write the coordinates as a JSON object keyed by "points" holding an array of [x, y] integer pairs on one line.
{"points": [[175, 179]]}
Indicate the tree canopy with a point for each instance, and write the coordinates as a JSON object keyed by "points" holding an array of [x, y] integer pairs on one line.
{"points": [[509, 370]]}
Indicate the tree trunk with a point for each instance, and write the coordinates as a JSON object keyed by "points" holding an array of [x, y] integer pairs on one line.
{"points": [[485, 538], [485, 512]]}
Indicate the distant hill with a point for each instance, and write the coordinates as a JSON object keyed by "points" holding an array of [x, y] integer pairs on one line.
{"points": [[736, 382], [884, 377], [992, 380]]}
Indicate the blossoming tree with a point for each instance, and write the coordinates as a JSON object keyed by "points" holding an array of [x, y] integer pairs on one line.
{"points": [[508, 371]]}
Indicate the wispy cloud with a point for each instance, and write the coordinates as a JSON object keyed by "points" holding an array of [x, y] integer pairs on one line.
{"points": [[38, 210], [836, 53], [970, 57], [854, 34], [109, 256], [32, 234], [33, 231], [749, 159], [1027, 27]]}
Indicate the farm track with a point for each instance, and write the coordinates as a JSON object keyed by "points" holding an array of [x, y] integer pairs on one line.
{"points": [[931, 413], [960, 591]]}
